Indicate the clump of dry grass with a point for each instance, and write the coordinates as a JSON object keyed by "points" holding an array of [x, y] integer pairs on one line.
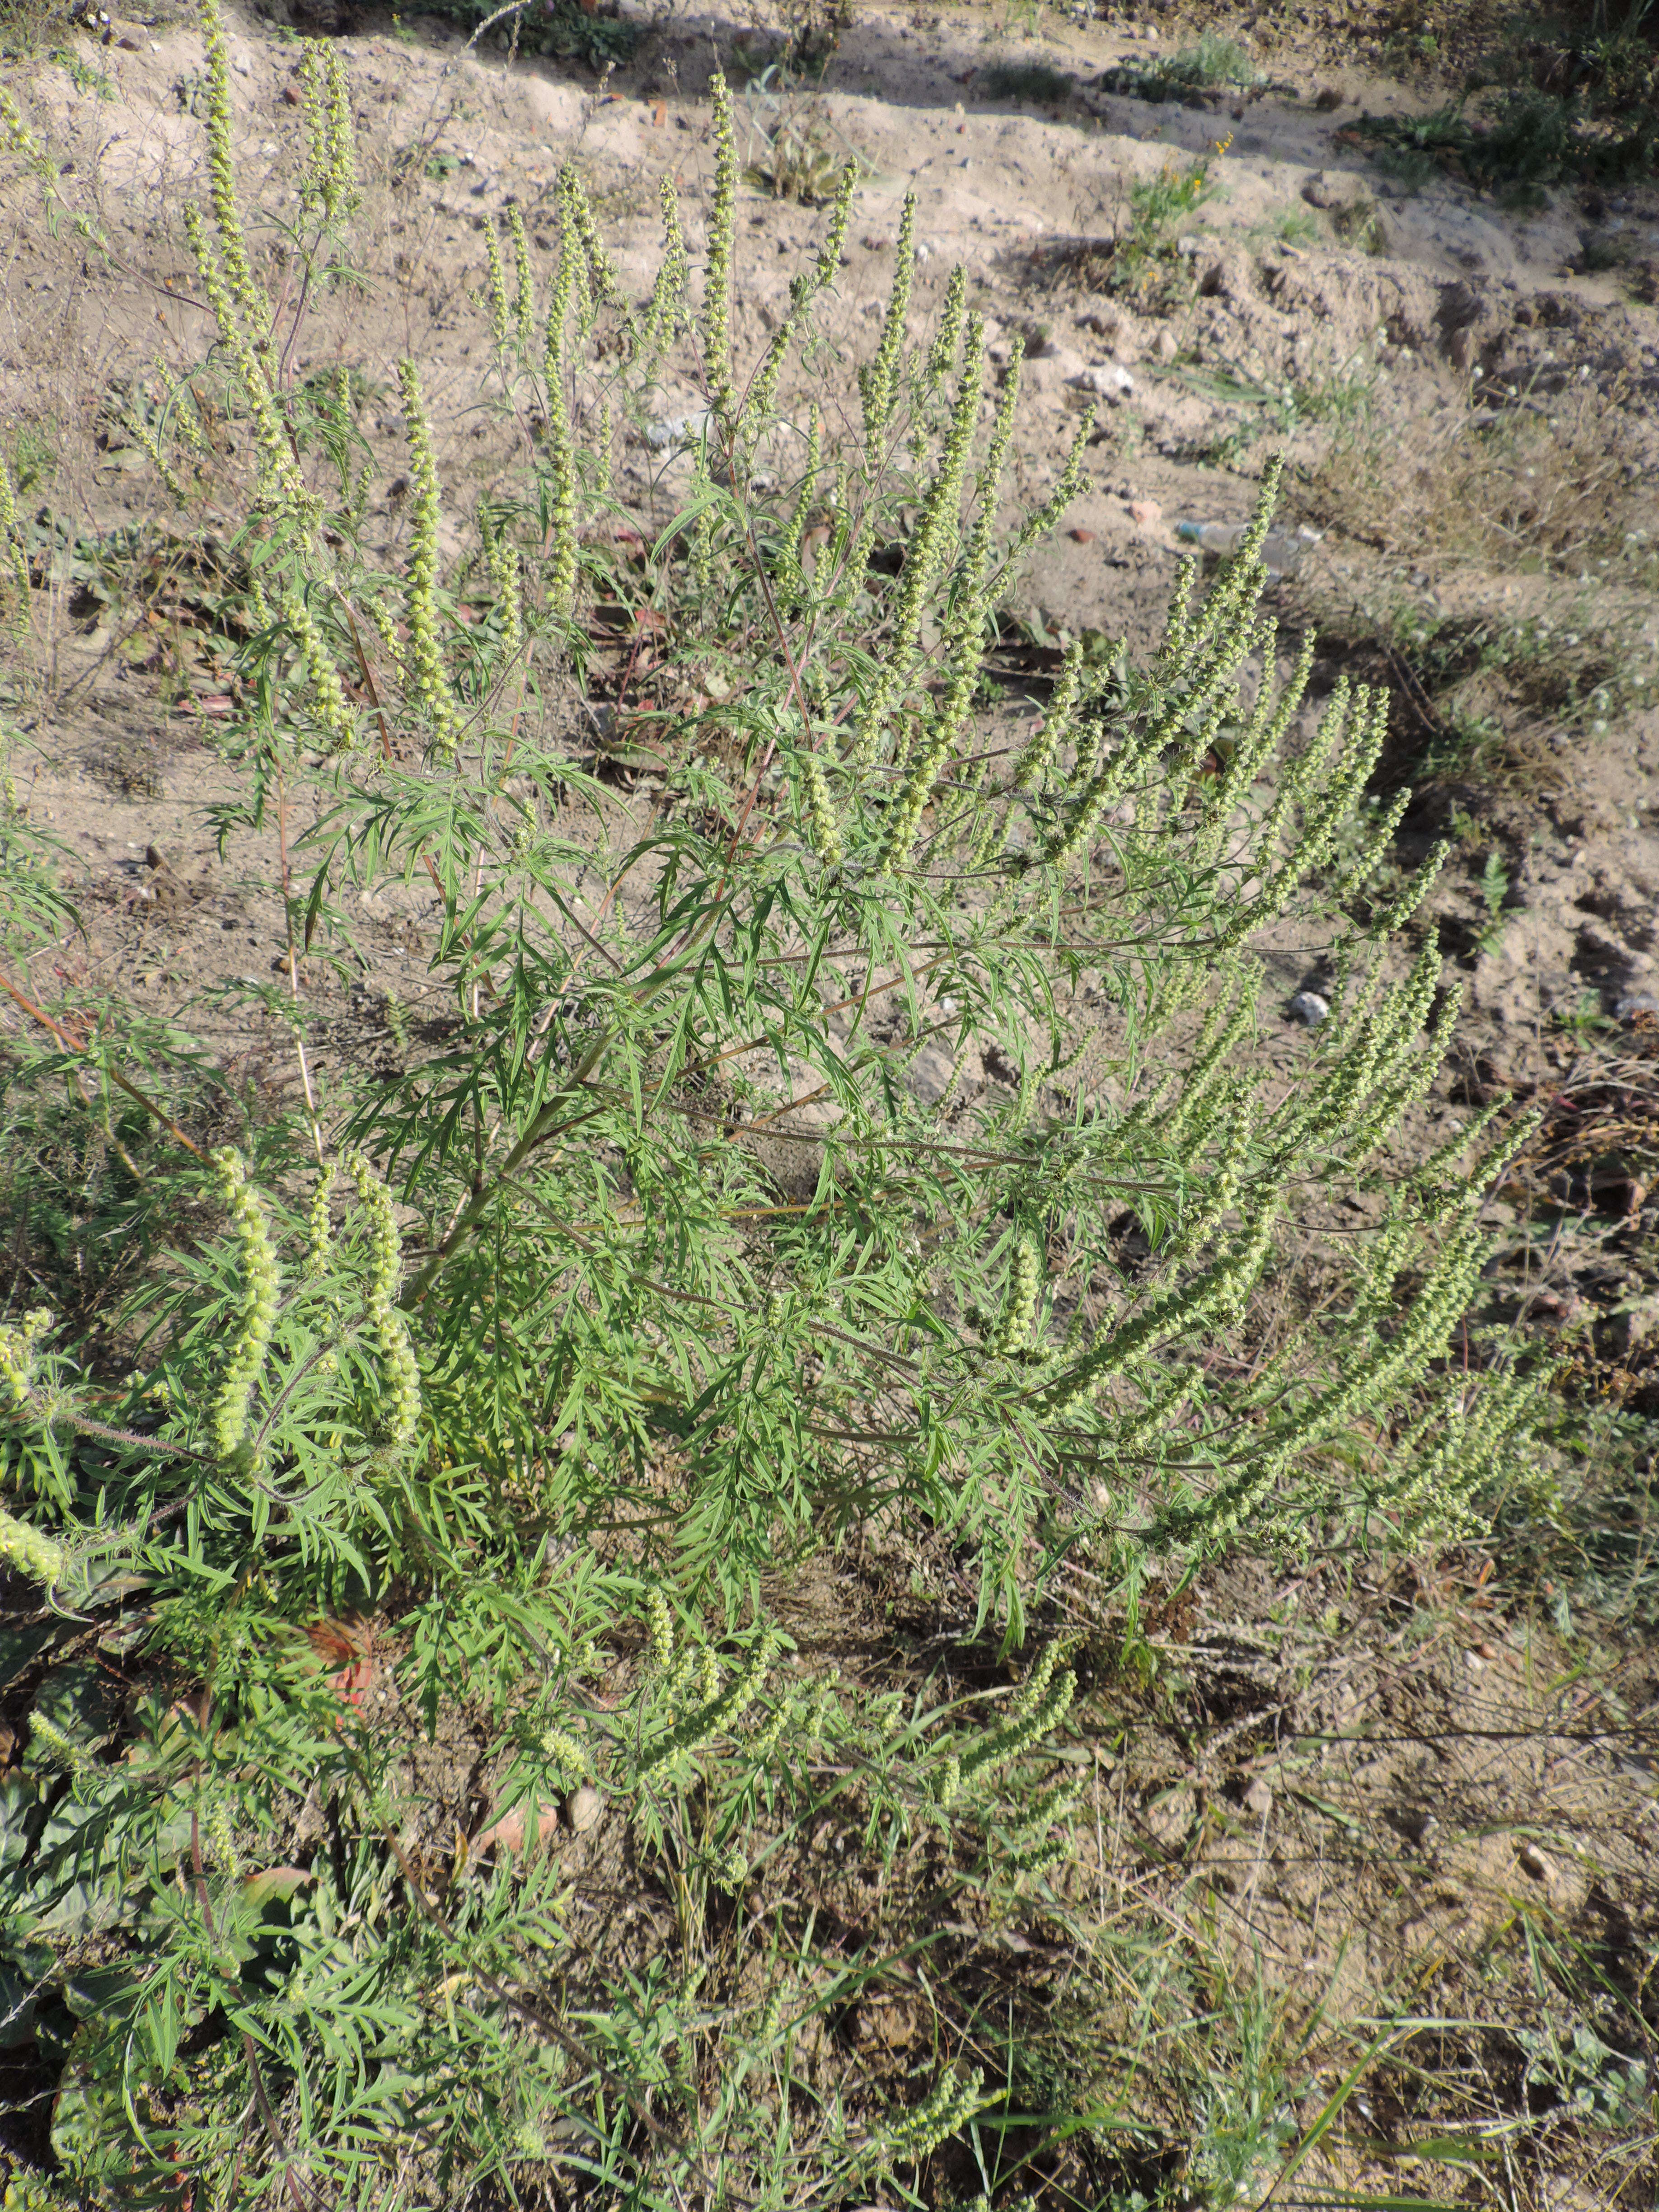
{"points": [[1439, 520], [1522, 481]]}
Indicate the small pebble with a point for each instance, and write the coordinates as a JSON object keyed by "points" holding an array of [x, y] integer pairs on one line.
{"points": [[1145, 512], [1081, 537], [1533, 1860], [1309, 1009], [583, 1808]]}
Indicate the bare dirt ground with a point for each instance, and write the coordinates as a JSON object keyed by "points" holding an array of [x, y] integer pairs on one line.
{"points": [[1381, 1793]]}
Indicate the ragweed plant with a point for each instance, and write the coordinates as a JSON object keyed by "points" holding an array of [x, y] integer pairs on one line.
{"points": [[328, 188], [776, 1191]]}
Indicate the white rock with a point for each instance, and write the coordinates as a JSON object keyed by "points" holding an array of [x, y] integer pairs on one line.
{"points": [[1106, 378], [1309, 1008]]}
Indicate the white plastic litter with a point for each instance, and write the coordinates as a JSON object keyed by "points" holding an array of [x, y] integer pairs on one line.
{"points": [[668, 430], [1281, 550]]}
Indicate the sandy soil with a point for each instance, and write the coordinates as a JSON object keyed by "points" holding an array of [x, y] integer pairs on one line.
{"points": [[1458, 292]]}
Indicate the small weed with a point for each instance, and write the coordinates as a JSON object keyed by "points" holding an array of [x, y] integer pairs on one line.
{"points": [[1159, 201], [1246, 2108], [1215, 65], [1296, 227], [1021, 19], [1407, 52], [1482, 751], [1360, 224], [1227, 449], [1147, 260], [31, 27], [1034, 83], [563, 28], [1600, 2085], [1215, 61], [1599, 250], [755, 58], [32, 458], [81, 74], [815, 27], [798, 160], [1344, 400], [1597, 1541], [1518, 143], [1492, 887], [1498, 702]]}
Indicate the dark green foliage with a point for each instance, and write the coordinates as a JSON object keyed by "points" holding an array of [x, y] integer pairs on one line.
{"points": [[563, 29], [1216, 64], [1033, 82], [1520, 143]]}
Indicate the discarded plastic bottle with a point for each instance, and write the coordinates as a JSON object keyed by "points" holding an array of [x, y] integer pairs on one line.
{"points": [[1281, 550]]}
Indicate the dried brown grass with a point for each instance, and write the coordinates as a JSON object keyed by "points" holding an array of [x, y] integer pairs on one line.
{"points": [[1518, 480]]}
